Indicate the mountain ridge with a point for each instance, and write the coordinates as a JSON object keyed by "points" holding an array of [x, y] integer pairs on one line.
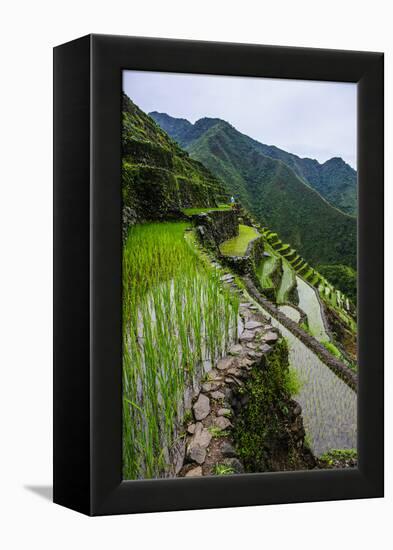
{"points": [[273, 192], [158, 176], [335, 180]]}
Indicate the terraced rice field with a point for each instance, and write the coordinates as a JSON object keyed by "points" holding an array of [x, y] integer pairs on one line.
{"points": [[328, 404], [238, 245], [287, 281], [333, 297], [177, 319], [309, 303], [265, 269]]}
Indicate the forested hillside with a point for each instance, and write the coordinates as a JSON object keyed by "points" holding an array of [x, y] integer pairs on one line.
{"points": [[158, 176], [335, 180], [271, 190]]}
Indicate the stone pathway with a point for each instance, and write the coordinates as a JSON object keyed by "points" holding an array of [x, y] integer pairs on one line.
{"points": [[209, 448]]}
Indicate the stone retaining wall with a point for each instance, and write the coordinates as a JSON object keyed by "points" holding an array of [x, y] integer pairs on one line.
{"points": [[244, 217], [209, 440], [245, 265], [215, 227]]}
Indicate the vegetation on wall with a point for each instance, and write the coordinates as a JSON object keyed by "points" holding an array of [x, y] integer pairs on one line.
{"points": [[261, 431], [338, 458]]}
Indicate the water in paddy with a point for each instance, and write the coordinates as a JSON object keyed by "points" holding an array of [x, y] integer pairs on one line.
{"points": [[328, 404], [290, 312], [286, 283], [309, 303]]}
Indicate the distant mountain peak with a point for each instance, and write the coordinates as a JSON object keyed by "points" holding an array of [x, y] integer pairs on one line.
{"points": [[181, 129], [334, 179], [335, 160], [204, 124], [207, 121], [157, 114]]}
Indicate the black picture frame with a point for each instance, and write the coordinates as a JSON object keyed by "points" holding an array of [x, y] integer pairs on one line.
{"points": [[87, 274]]}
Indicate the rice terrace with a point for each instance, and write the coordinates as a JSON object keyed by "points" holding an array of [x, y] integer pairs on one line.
{"points": [[239, 302]]}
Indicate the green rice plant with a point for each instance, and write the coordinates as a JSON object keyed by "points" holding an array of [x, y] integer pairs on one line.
{"points": [[238, 245], [187, 416], [176, 314]]}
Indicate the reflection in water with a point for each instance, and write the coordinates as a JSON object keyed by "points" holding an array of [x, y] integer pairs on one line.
{"points": [[329, 405], [309, 303]]}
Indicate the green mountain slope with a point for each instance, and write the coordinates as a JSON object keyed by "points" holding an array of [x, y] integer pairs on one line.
{"points": [[273, 192], [158, 177], [335, 180]]}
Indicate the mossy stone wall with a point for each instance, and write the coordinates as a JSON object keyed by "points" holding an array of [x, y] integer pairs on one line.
{"points": [[215, 227], [246, 265], [269, 432]]}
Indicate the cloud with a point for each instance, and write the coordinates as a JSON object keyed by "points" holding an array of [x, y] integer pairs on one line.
{"points": [[308, 118]]}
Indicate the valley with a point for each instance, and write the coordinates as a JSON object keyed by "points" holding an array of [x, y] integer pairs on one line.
{"points": [[275, 189], [238, 354]]}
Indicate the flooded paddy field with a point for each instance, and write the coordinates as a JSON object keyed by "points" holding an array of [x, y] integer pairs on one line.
{"points": [[329, 405]]}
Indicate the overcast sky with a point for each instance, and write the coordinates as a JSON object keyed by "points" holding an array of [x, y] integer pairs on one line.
{"points": [[310, 119]]}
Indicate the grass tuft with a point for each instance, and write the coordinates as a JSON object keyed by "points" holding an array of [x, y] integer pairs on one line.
{"points": [[223, 470]]}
